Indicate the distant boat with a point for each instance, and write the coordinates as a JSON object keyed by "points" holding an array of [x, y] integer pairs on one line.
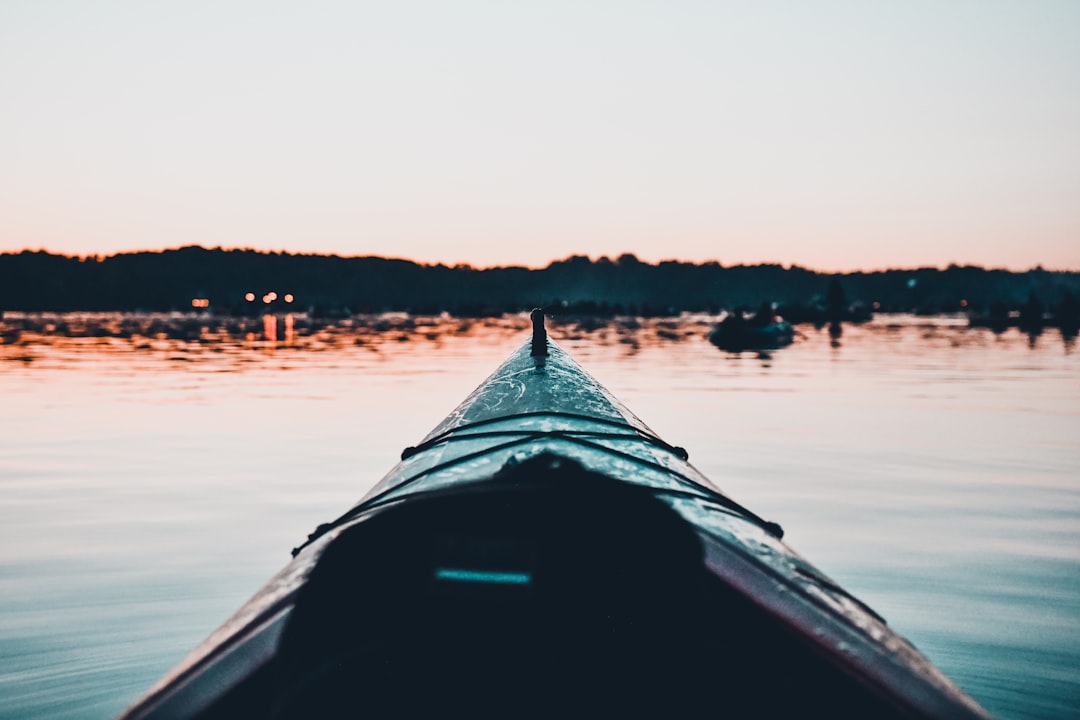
{"points": [[540, 554], [736, 333]]}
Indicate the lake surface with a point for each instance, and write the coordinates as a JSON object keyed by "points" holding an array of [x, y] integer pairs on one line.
{"points": [[156, 470]]}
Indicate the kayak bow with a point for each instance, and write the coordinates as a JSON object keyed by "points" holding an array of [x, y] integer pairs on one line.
{"points": [[542, 551]]}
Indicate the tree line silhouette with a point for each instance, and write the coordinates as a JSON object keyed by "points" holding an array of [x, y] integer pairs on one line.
{"points": [[223, 280]]}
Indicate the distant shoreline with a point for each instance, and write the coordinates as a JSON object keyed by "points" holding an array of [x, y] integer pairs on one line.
{"points": [[248, 282], [103, 256]]}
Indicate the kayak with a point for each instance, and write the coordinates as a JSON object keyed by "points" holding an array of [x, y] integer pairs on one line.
{"points": [[542, 552]]}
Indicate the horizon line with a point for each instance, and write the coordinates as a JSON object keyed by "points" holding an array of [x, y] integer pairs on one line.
{"points": [[496, 266]]}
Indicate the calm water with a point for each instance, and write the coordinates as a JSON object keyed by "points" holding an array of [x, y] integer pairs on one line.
{"points": [[155, 471]]}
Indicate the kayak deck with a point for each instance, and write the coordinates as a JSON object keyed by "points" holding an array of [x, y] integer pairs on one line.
{"points": [[541, 551], [523, 410]]}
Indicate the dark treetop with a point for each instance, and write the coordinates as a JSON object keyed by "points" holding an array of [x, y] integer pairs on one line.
{"points": [[328, 284]]}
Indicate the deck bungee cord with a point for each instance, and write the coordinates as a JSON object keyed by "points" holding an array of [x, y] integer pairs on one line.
{"points": [[580, 437]]}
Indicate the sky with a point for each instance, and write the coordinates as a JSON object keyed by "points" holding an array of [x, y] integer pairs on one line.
{"points": [[832, 135]]}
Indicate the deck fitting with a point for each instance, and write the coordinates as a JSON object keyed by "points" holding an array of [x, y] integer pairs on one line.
{"points": [[539, 337]]}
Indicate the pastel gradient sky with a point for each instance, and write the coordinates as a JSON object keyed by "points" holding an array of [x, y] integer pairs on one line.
{"points": [[834, 135]]}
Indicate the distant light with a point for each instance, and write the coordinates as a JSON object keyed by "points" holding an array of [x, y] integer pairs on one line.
{"points": [[200, 302], [963, 303], [250, 297], [877, 305], [272, 295], [289, 297], [267, 299]]}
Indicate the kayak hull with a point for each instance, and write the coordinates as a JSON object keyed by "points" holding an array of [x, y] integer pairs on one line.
{"points": [[542, 551]]}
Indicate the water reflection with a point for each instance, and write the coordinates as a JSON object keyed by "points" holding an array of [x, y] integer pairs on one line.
{"points": [[195, 332], [27, 337], [836, 330], [270, 328], [135, 447]]}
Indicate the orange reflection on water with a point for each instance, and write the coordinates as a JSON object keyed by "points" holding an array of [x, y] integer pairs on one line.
{"points": [[28, 337], [270, 327]]}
